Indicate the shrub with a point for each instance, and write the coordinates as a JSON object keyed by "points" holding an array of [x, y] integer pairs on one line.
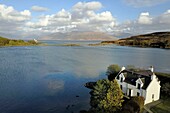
{"points": [[139, 100], [106, 97], [112, 71], [3, 41], [131, 107]]}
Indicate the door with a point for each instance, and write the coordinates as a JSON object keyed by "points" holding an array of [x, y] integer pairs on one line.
{"points": [[129, 93], [152, 97]]}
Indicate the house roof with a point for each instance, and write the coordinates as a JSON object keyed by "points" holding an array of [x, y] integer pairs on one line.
{"points": [[132, 76]]}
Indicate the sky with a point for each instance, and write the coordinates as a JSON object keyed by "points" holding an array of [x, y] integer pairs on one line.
{"points": [[36, 18]]}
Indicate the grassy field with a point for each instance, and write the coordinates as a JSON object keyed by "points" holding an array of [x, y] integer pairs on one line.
{"points": [[163, 74], [163, 107]]}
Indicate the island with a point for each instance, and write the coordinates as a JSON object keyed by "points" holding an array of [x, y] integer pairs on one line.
{"points": [[14, 42]]}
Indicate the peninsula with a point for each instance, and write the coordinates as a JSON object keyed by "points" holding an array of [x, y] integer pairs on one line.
{"points": [[14, 42], [155, 40]]}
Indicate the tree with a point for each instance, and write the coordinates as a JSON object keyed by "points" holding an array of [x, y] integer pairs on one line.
{"points": [[106, 97], [112, 71], [99, 92], [3, 41], [114, 98], [166, 89]]}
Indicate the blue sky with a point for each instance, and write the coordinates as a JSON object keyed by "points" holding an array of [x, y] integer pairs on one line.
{"points": [[42, 17]]}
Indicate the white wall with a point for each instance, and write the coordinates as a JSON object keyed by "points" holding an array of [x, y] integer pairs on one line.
{"points": [[126, 87], [153, 88]]}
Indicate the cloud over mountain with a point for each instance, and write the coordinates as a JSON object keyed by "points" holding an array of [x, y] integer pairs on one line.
{"points": [[82, 16], [78, 36]]}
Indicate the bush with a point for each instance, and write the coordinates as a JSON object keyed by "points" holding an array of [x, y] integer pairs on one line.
{"points": [[112, 71], [106, 97], [32, 42], [131, 107], [139, 100], [166, 89], [3, 41]]}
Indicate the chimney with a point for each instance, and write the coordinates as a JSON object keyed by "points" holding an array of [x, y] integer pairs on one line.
{"points": [[123, 68], [151, 68]]}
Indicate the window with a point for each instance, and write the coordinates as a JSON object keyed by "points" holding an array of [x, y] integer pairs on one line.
{"points": [[138, 94], [118, 77], [153, 97], [129, 92], [121, 79], [121, 87], [138, 86]]}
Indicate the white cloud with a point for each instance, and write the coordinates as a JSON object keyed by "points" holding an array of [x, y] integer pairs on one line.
{"points": [[12, 21], [85, 17], [145, 18], [80, 6], [82, 16], [39, 8], [10, 14], [102, 17], [145, 24], [59, 22], [165, 18], [144, 3]]}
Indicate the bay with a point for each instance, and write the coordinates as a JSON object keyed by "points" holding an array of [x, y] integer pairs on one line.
{"points": [[50, 79]]}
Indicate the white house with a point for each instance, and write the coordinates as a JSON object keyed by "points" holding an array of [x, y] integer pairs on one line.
{"points": [[139, 83], [36, 41]]}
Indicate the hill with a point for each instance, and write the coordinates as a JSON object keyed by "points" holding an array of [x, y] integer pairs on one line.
{"points": [[157, 40], [78, 36]]}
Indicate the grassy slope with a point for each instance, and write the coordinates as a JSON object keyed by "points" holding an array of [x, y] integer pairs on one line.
{"points": [[163, 107], [147, 40], [11, 42]]}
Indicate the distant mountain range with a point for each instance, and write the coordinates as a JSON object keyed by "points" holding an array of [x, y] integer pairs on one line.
{"points": [[79, 36]]}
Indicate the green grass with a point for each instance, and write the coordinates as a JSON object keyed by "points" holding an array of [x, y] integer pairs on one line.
{"points": [[163, 107], [163, 74]]}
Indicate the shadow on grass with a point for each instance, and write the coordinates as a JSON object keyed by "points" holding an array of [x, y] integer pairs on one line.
{"points": [[163, 107], [159, 110]]}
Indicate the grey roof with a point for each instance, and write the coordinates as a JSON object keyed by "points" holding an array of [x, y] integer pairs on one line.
{"points": [[132, 76]]}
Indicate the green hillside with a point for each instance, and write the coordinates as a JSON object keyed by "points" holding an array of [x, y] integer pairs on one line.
{"points": [[12, 42], [157, 39]]}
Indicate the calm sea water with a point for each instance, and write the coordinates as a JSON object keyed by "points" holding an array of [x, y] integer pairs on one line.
{"points": [[50, 79]]}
